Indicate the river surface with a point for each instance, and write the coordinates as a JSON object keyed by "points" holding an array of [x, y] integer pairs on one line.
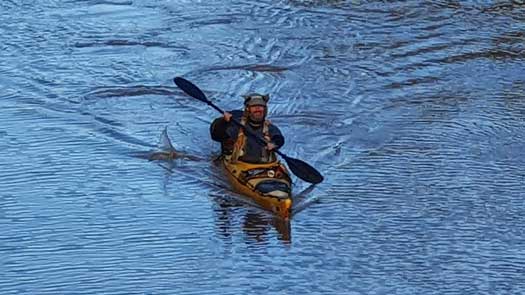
{"points": [[414, 111]]}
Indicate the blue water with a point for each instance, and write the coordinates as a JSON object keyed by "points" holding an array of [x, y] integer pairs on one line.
{"points": [[413, 111]]}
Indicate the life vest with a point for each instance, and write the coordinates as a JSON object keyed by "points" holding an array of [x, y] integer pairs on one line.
{"points": [[240, 143]]}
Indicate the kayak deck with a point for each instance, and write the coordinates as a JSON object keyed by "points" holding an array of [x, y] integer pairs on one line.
{"points": [[269, 184]]}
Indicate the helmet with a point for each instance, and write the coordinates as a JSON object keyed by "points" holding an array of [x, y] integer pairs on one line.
{"points": [[256, 99]]}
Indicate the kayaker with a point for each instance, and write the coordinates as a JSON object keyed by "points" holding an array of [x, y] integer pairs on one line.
{"points": [[236, 143]]}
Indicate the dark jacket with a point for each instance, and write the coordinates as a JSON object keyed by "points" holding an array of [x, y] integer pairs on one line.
{"points": [[226, 133]]}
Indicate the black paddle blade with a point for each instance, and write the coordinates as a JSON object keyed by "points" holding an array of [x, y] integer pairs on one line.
{"points": [[190, 89], [303, 170]]}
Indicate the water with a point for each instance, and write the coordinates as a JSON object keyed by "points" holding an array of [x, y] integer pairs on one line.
{"points": [[413, 110]]}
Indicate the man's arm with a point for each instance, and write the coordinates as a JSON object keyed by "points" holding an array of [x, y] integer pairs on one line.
{"points": [[223, 128], [277, 137], [218, 129]]}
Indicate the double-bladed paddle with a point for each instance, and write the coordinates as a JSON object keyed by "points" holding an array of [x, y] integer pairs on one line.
{"points": [[300, 168]]}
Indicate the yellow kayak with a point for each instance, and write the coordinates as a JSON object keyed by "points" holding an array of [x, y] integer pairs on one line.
{"points": [[269, 185]]}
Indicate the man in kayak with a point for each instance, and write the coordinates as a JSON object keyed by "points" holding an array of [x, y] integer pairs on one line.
{"points": [[241, 146]]}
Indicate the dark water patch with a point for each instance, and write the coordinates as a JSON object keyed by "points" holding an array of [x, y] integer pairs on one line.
{"points": [[424, 50], [510, 38], [217, 20], [138, 90], [487, 54], [123, 42], [254, 68], [324, 3], [514, 7], [414, 81], [106, 2], [490, 7]]}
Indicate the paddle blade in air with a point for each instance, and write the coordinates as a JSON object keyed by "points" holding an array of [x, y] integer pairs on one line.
{"points": [[190, 89], [303, 170]]}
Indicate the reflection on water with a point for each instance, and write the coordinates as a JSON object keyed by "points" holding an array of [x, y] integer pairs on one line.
{"points": [[256, 226]]}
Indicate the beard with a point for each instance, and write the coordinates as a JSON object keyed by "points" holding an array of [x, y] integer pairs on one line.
{"points": [[257, 118], [257, 115]]}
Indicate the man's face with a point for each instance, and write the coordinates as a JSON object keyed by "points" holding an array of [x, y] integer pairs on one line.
{"points": [[256, 113]]}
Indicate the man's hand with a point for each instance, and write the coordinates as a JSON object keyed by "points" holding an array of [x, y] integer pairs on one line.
{"points": [[227, 116]]}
